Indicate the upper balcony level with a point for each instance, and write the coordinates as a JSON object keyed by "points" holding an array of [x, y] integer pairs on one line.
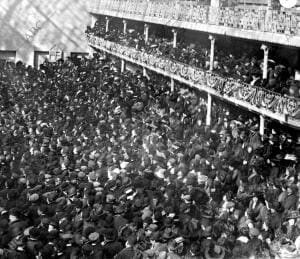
{"points": [[267, 103], [254, 22]]}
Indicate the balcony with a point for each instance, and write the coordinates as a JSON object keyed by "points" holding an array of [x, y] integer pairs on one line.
{"points": [[282, 108], [262, 24]]}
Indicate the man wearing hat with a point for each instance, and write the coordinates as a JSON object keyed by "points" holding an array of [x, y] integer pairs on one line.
{"points": [[194, 251], [290, 202], [173, 246], [214, 252], [16, 226], [291, 226], [130, 250], [111, 246], [33, 241], [93, 247]]}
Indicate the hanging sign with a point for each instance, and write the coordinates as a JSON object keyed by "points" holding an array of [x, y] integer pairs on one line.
{"points": [[55, 54]]}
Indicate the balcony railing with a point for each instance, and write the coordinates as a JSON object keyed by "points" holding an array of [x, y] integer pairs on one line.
{"points": [[227, 88], [258, 19]]}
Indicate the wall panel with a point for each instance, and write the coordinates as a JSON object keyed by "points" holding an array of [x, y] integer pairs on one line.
{"points": [[39, 25]]}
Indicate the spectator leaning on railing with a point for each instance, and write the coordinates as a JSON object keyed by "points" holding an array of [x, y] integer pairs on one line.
{"points": [[244, 68]]}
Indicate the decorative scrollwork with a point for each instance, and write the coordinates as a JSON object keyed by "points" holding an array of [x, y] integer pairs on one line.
{"points": [[255, 96]]}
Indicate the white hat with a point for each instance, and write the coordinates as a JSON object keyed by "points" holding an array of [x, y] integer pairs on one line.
{"points": [[124, 164], [160, 173], [243, 239]]}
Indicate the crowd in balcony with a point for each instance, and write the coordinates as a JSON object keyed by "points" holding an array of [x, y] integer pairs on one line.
{"points": [[96, 163], [242, 66]]}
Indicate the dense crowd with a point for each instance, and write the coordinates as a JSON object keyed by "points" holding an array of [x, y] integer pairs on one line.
{"points": [[101, 164], [242, 65]]}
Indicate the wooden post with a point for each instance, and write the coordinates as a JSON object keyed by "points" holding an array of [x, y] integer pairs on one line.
{"points": [[107, 24], [174, 38], [215, 3], [124, 27], [123, 66], [262, 125], [266, 58], [93, 21], [146, 32], [208, 113], [172, 85], [212, 52]]}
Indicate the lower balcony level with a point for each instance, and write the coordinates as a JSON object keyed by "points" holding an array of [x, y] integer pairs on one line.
{"points": [[266, 103]]}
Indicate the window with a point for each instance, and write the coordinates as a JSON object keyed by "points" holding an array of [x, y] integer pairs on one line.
{"points": [[40, 57], [8, 55]]}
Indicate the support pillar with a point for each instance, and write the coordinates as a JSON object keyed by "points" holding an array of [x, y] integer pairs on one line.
{"points": [[270, 4], [297, 75], [107, 24], [146, 32], [268, 17], [124, 27], [93, 21], [144, 71], [208, 113], [265, 48], [123, 65], [215, 3], [91, 52], [172, 85], [212, 52], [262, 125], [174, 38]]}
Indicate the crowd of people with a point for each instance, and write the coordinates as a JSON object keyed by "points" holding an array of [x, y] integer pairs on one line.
{"points": [[241, 65], [96, 163]]}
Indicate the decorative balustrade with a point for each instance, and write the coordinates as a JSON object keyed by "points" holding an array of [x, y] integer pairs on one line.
{"points": [[273, 21], [255, 96]]}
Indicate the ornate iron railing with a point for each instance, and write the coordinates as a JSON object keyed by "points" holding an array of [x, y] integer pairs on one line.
{"points": [[258, 19], [227, 87]]}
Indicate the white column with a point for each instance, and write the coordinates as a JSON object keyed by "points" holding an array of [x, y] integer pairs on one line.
{"points": [[174, 38], [262, 125], [270, 4], [123, 65], [297, 75], [212, 52], [144, 71], [107, 24], [91, 52], [146, 32], [215, 3], [268, 17], [266, 58], [93, 20], [172, 85], [208, 113], [124, 27]]}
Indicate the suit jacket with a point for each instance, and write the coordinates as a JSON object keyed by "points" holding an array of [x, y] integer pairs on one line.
{"points": [[257, 208], [16, 227], [290, 202], [112, 248], [126, 253]]}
